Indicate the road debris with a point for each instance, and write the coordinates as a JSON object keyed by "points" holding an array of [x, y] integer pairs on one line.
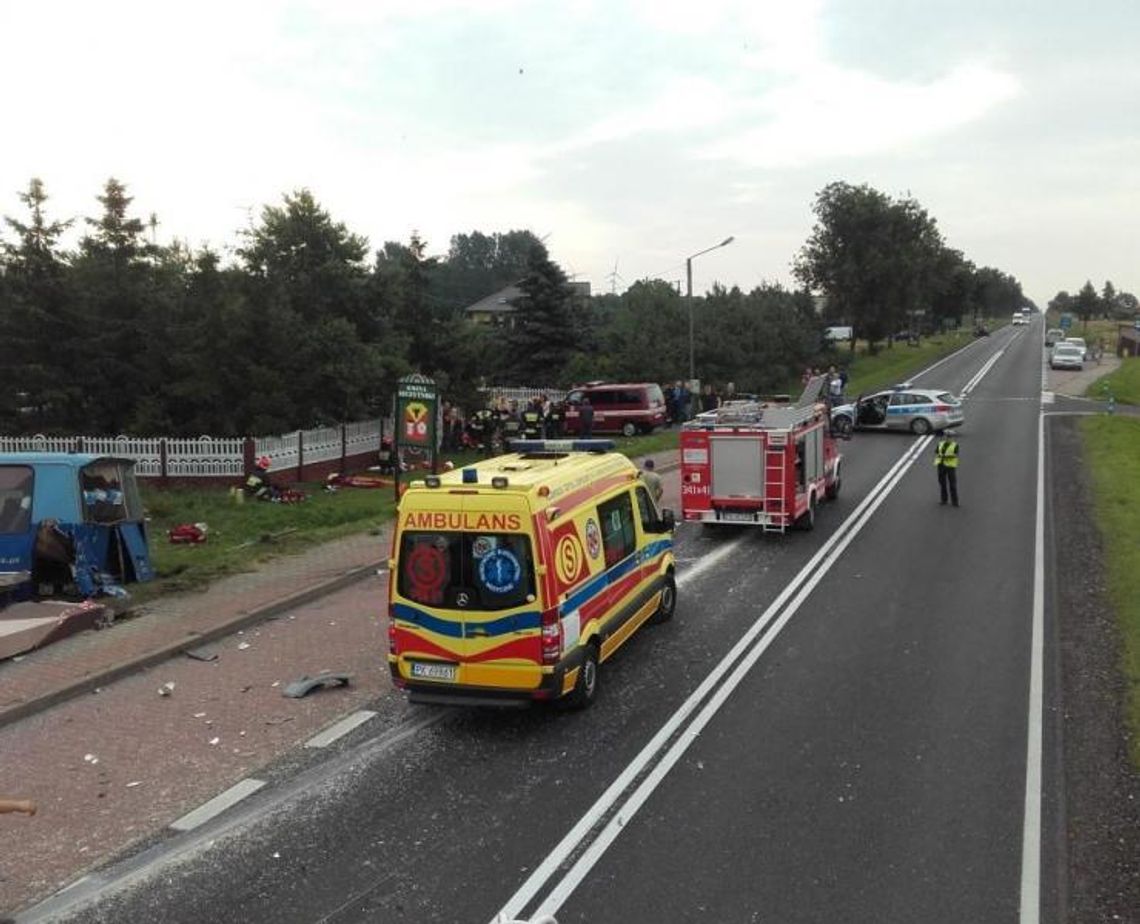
{"points": [[242, 646], [214, 741], [166, 689], [306, 684], [202, 654], [91, 758]]}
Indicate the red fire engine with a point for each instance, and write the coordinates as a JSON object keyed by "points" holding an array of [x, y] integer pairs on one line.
{"points": [[758, 464]]}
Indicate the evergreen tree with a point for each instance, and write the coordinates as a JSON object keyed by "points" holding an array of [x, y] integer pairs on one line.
{"points": [[36, 327], [113, 286], [546, 331]]}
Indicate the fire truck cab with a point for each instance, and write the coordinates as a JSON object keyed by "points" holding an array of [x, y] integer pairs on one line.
{"points": [[760, 464]]}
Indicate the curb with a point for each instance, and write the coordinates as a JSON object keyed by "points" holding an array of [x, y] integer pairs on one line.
{"points": [[75, 688]]}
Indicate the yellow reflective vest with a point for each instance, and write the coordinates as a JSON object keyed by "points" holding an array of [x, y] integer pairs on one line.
{"points": [[947, 453]]}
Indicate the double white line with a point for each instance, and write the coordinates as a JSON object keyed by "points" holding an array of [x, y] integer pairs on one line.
{"points": [[618, 804]]}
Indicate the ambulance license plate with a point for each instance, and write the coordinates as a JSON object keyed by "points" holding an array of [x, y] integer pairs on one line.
{"points": [[738, 516], [433, 671]]}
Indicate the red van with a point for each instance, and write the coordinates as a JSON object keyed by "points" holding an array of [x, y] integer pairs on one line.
{"points": [[626, 409]]}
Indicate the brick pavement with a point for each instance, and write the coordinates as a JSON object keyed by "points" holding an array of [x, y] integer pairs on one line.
{"points": [[170, 625]]}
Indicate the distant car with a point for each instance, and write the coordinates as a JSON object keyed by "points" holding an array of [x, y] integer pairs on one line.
{"points": [[1079, 342], [1053, 336], [919, 410], [1067, 356], [1019, 318]]}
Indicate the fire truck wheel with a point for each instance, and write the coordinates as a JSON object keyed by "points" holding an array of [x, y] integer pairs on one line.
{"points": [[920, 427], [806, 523], [586, 689], [668, 603], [628, 429], [832, 490]]}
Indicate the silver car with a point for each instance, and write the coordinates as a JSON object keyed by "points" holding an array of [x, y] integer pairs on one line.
{"points": [[919, 410], [1067, 356]]}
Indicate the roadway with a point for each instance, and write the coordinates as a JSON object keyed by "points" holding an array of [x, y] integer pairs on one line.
{"points": [[835, 726]]}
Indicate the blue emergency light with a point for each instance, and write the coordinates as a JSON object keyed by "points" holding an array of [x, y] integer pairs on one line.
{"points": [[470, 476], [562, 445]]}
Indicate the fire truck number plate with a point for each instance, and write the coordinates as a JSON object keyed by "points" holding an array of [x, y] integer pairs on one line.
{"points": [[738, 516]]}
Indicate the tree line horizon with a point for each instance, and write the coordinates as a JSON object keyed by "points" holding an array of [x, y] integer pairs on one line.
{"points": [[308, 326]]}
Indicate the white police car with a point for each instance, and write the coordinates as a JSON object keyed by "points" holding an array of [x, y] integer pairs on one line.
{"points": [[919, 410]]}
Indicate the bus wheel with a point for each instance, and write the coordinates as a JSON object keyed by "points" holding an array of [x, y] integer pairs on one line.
{"points": [[668, 605], [586, 689]]}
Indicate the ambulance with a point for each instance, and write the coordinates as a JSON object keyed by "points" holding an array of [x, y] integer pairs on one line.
{"points": [[512, 579]]}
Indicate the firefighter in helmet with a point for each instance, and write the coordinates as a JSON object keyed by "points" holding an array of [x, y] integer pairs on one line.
{"points": [[259, 485], [532, 420]]}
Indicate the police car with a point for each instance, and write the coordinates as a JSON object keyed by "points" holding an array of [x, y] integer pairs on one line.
{"points": [[903, 407]]}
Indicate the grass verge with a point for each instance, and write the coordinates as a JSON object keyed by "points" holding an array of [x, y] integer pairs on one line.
{"points": [[1123, 384], [1112, 447], [242, 534], [874, 371]]}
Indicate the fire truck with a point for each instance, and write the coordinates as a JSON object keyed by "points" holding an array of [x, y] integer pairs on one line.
{"points": [[760, 464]]}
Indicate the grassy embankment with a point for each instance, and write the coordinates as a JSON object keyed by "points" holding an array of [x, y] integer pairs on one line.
{"points": [[1123, 384], [240, 535], [1112, 448]]}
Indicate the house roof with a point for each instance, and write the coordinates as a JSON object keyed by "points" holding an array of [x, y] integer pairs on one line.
{"points": [[496, 302], [501, 302]]}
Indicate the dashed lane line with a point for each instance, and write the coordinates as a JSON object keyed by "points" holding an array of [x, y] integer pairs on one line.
{"points": [[217, 805], [340, 729]]}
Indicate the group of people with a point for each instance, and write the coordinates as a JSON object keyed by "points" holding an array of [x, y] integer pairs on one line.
{"points": [[682, 404], [494, 426], [834, 386]]}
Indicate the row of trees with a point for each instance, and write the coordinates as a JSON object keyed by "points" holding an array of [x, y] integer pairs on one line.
{"points": [[885, 267], [1087, 303], [305, 325]]}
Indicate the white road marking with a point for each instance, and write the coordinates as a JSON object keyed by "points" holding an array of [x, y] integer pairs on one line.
{"points": [[1047, 397], [625, 813], [217, 805], [799, 587], [1031, 827], [340, 729], [574, 838]]}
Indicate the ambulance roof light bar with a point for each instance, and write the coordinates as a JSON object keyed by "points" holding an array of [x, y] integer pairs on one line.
{"points": [[562, 445]]}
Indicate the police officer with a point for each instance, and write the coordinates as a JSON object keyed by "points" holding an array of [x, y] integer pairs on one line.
{"points": [[532, 420], [946, 460]]}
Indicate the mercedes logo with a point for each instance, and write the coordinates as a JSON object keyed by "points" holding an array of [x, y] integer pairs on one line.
{"points": [[462, 599]]}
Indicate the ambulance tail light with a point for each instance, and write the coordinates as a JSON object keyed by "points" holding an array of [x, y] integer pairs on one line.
{"points": [[551, 636], [391, 629]]}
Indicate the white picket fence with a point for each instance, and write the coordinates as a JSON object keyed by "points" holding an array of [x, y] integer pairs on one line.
{"points": [[521, 394], [214, 457]]}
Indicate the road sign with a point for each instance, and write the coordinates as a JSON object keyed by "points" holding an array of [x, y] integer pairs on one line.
{"points": [[1066, 321]]}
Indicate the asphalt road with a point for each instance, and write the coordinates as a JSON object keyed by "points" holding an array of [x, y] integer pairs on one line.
{"points": [[833, 728]]}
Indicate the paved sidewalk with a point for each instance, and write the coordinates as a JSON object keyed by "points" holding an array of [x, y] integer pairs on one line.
{"points": [[172, 624]]}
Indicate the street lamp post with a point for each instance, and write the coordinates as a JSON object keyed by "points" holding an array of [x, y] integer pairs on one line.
{"points": [[689, 295]]}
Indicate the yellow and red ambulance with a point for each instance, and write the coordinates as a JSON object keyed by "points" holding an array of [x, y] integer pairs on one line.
{"points": [[514, 578]]}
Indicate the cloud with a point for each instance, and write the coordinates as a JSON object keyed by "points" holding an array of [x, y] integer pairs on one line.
{"points": [[829, 113]]}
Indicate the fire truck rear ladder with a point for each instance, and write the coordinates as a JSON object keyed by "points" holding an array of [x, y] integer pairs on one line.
{"points": [[775, 458]]}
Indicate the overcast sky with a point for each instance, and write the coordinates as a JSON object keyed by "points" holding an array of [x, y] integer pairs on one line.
{"points": [[634, 134]]}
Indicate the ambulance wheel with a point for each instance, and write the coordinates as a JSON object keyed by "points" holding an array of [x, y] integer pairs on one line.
{"points": [[629, 429], [668, 605], [586, 689], [920, 427], [806, 522]]}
